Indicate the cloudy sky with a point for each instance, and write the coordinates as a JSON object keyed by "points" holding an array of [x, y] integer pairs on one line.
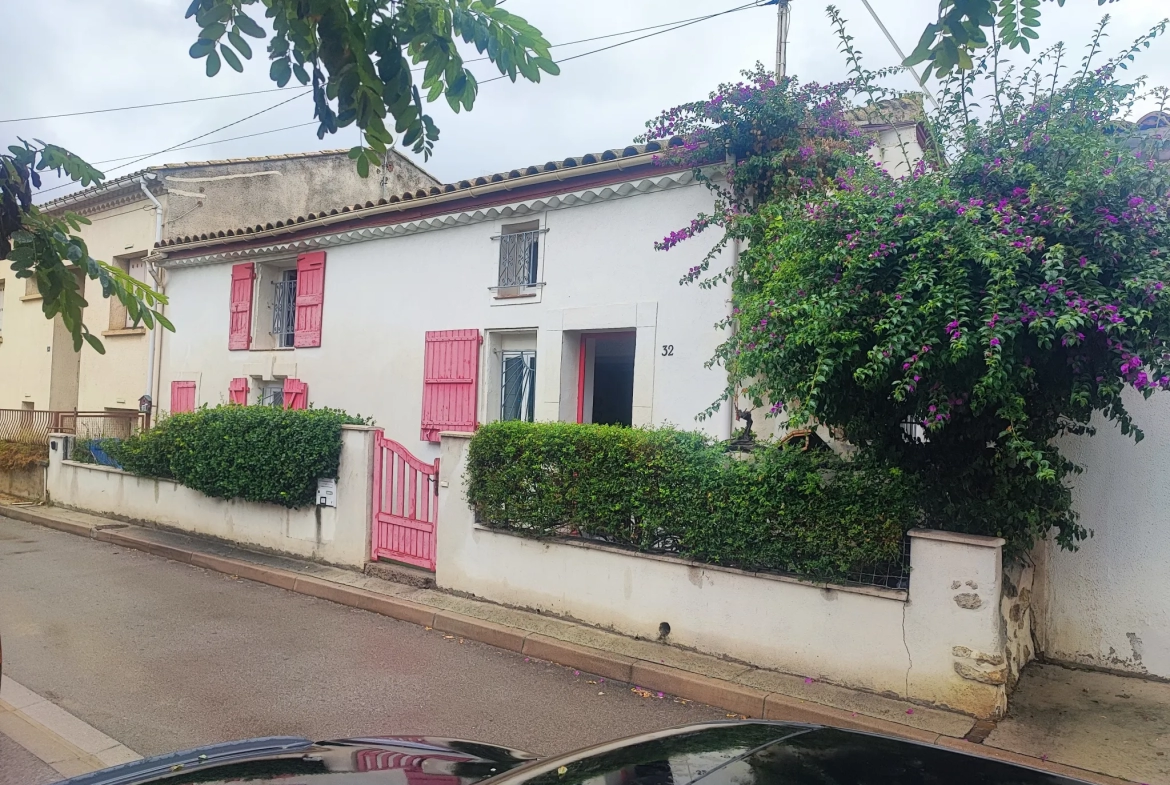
{"points": [[81, 55]]}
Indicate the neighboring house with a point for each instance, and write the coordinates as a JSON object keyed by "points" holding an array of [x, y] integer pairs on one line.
{"points": [[529, 294], [44, 372]]}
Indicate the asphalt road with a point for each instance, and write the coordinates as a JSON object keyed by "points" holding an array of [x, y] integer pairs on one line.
{"points": [[163, 656]]}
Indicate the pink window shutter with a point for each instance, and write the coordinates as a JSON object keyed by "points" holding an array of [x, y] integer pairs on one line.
{"points": [[240, 330], [238, 391], [182, 397], [296, 394], [310, 298], [450, 382]]}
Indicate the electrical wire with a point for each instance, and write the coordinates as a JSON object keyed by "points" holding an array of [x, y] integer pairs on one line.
{"points": [[188, 141], [694, 21], [293, 87], [143, 106], [183, 145], [214, 141]]}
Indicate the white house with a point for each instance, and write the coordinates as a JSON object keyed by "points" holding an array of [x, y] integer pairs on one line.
{"points": [[532, 294]]}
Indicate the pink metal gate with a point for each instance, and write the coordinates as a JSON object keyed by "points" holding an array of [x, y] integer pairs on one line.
{"points": [[406, 500]]}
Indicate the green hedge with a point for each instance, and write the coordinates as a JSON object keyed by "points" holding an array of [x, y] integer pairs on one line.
{"points": [[781, 509], [256, 453]]}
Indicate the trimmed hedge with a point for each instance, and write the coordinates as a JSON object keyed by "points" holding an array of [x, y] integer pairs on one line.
{"points": [[781, 509], [255, 453]]}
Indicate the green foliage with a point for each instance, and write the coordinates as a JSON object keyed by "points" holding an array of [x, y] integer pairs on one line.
{"points": [[781, 509], [255, 453], [42, 246], [951, 42], [957, 321], [84, 450], [359, 55]]}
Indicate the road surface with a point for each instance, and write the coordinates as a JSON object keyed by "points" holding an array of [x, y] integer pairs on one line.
{"points": [[163, 656]]}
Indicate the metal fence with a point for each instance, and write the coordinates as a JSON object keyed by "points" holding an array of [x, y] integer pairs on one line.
{"points": [[33, 426], [103, 425], [27, 426]]}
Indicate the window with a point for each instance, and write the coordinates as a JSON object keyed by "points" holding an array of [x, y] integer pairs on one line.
{"points": [[284, 308], [119, 316], [520, 255], [272, 394], [289, 301], [517, 385]]}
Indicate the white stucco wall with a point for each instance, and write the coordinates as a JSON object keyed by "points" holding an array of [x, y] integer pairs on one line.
{"points": [[1108, 604], [600, 270], [338, 535], [938, 643]]}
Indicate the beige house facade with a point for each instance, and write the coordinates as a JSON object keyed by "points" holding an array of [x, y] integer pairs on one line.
{"points": [[39, 368]]}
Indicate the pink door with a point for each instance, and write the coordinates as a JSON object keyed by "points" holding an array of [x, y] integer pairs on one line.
{"points": [[406, 496]]}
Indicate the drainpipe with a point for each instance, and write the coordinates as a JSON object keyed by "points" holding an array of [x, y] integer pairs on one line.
{"points": [[152, 268]]}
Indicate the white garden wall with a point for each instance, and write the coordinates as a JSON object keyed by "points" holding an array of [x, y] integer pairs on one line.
{"points": [[338, 535], [1108, 604], [938, 643]]}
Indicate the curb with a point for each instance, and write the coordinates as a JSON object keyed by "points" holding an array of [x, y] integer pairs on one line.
{"points": [[737, 698]]}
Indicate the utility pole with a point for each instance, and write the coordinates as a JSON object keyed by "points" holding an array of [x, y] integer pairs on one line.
{"points": [[782, 20]]}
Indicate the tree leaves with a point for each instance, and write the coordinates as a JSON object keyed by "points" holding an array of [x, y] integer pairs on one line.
{"points": [[353, 54], [41, 246]]}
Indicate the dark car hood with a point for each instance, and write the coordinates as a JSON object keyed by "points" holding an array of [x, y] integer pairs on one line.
{"points": [[724, 753], [402, 760]]}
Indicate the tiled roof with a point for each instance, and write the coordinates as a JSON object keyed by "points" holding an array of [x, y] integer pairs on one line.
{"points": [[513, 178], [906, 110]]}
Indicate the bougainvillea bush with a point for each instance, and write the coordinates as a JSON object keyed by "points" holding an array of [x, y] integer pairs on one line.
{"points": [[957, 320]]}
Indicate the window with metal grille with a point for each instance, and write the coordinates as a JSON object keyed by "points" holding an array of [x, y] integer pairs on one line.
{"points": [[272, 394], [519, 257], [518, 386], [284, 308]]}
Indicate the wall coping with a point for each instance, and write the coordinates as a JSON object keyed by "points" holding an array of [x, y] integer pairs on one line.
{"points": [[456, 434], [976, 540], [347, 427], [897, 595]]}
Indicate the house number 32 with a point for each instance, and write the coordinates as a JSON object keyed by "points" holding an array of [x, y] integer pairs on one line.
{"points": [[668, 350]]}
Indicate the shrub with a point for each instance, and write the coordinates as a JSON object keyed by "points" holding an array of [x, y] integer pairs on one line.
{"points": [[255, 453], [997, 297], [15, 456], [89, 450], [781, 509]]}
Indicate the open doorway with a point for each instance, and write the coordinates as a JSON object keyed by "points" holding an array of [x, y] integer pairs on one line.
{"points": [[605, 387]]}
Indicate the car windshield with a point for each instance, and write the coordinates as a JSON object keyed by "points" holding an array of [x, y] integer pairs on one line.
{"points": [[780, 755]]}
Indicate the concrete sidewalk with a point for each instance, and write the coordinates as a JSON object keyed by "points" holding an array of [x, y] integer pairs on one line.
{"points": [[735, 687]]}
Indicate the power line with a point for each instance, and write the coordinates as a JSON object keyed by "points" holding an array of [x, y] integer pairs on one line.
{"points": [[188, 141], [214, 141], [183, 145], [293, 87], [679, 26], [143, 106]]}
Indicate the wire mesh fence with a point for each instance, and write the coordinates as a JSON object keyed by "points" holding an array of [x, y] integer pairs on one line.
{"points": [[102, 425]]}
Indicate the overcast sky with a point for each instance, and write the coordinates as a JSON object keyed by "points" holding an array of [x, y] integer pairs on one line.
{"points": [[76, 55]]}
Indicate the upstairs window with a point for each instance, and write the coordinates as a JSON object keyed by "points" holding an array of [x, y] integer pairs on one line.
{"points": [[284, 309], [519, 258]]}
